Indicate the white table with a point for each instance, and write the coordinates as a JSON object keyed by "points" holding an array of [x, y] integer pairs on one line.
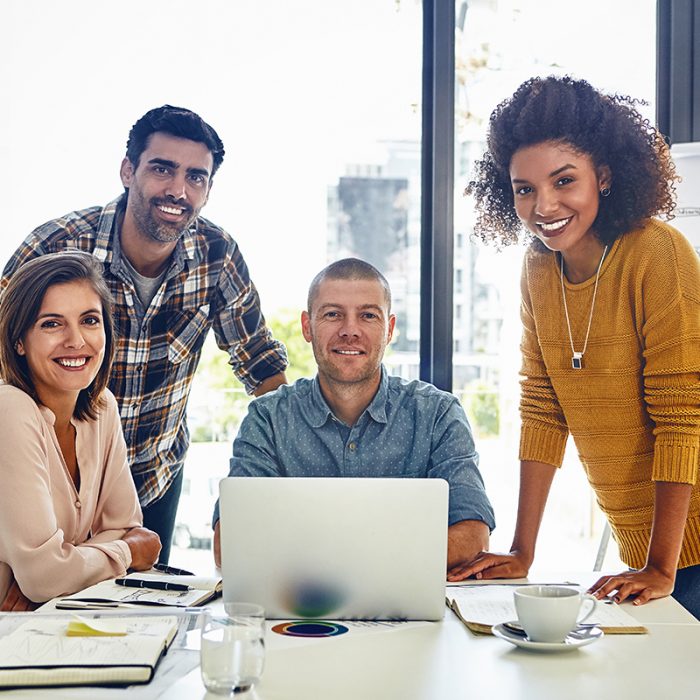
{"points": [[444, 661]]}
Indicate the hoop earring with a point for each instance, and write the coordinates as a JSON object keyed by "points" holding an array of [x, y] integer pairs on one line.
{"points": [[605, 192]]}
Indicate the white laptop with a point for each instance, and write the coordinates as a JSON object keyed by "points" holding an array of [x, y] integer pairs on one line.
{"points": [[336, 548]]}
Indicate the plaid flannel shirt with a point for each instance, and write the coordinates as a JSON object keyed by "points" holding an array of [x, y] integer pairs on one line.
{"points": [[207, 285]]}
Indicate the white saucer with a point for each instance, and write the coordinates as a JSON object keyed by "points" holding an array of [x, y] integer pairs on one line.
{"points": [[578, 638]]}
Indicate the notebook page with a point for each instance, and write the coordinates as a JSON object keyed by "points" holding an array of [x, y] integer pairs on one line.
{"points": [[39, 652]]}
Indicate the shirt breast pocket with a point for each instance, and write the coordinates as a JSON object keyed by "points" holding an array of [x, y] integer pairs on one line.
{"points": [[187, 334]]}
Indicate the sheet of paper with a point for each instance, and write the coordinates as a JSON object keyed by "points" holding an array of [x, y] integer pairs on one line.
{"points": [[356, 628]]}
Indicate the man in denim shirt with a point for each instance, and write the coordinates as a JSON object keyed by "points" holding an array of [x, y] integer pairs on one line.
{"points": [[354, 420]]}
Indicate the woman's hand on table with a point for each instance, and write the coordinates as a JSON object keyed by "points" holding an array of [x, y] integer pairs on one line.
{"points": [[489, 565], [645, 585], [145, 547], [16, 601]]}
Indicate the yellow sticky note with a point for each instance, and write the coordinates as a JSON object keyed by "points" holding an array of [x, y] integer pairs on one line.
{"points": [[83, 627]]}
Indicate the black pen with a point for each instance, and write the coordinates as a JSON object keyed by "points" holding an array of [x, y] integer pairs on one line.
{"points": [[156, 585], [165, 569]]}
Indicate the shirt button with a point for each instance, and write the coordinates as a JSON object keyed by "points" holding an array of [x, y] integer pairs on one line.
{"points": [[352, 446], [78, 505], [139, 368]]}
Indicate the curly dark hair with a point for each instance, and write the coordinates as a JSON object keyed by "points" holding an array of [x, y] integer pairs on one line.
{"points": [[608, 128]]}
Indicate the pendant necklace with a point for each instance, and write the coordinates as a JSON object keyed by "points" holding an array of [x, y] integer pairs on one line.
{"points": [[577, 357]]}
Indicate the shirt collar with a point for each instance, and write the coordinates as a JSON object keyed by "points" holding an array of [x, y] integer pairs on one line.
{"points": [[107, 244], [320, 411]]}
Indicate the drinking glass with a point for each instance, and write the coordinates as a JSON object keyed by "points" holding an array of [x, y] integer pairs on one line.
{"points": [[233, 648]]}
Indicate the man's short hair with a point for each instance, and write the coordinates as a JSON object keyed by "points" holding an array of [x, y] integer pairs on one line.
{"points": [[176, 121], [348, 269]]}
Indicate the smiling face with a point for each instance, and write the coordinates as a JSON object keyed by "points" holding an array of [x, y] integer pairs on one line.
{"points": [[349, 327], [556, 190], [65, 346], [168, 188]]}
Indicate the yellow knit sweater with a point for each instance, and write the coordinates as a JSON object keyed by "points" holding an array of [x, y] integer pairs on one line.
{"points": [[634, 407]]}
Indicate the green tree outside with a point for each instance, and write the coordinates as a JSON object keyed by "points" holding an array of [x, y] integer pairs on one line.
{"points": [[226, 401]]}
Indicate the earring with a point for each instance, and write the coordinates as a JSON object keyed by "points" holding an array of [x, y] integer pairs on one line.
{"points": [[605, 192]]}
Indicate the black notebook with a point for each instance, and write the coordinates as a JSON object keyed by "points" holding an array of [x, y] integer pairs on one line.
{"points": [[61, 652]]}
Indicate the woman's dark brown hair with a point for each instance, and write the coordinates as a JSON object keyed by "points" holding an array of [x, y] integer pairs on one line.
{"points": [[608, 128], [19, 310]]}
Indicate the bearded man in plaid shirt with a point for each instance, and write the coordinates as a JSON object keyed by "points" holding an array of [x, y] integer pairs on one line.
{"points": [[173, 276]]}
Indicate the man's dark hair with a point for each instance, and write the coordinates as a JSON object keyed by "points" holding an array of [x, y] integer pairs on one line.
{"points": [[176, 121], [348, 269], [608, 128]]}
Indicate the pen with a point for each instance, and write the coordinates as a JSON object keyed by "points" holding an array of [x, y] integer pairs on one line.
{"points": [[156, 585], [165, 569]]}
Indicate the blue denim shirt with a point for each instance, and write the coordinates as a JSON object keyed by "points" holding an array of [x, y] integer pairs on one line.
{"points": [[410, 429]]}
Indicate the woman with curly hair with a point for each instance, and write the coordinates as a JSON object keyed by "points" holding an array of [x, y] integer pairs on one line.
{"points": [[611, 328]]}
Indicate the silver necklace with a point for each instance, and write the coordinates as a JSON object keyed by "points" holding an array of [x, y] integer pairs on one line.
{"points": [[577, 357]]}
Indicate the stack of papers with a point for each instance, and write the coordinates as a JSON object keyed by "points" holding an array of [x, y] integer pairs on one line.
{"points": [[481, 607]]}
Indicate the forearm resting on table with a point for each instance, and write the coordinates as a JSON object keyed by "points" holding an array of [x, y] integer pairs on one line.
{"points": [[465, 539], [144, 545], [535, 481]]}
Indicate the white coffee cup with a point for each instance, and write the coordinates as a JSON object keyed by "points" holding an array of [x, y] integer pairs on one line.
{"points": [[549, 613]]}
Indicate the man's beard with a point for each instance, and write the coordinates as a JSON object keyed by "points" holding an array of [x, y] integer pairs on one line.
{"points": [[160, 231]]}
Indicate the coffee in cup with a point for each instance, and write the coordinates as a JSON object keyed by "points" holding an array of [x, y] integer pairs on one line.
{"points": [[549, 613]]}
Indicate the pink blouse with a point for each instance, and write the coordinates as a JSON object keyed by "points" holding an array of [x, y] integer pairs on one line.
{"points": [[55, 540]]}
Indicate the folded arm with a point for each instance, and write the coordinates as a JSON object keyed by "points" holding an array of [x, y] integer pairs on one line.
{"points": [[45, 560]]}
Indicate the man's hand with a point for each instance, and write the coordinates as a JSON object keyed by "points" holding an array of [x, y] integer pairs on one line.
{"points": [[145, 547], [217, 544], [488, 565], [465, 540], [645, 585], [16, 601]]}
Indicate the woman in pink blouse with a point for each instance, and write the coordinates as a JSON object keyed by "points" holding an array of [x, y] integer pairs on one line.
{"points": [[69, 514]]}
